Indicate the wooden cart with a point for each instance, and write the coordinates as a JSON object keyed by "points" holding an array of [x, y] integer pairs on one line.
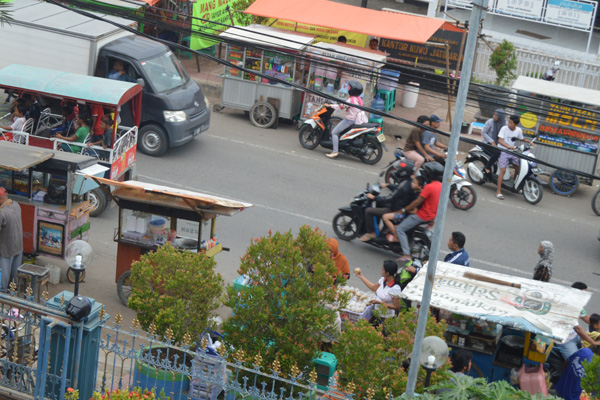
{"points": [[151, 215]]}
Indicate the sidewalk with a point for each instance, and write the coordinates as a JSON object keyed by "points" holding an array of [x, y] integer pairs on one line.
{"points": [[209, 78]]}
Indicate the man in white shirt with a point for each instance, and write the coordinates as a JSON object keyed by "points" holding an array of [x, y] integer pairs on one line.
{"points": [[507, 137]]}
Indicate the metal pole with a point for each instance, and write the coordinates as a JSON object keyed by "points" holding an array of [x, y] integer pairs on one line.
{"points": [[363, 3], [461, 98]]}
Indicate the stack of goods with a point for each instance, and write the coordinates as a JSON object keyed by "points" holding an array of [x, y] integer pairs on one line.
{"points": [[357, 304]]}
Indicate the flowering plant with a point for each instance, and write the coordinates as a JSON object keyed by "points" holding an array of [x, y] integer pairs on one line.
{"points": [[176, 290]]}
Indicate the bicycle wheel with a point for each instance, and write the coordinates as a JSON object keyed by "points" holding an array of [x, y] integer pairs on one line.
{"points": [[564, 183]]}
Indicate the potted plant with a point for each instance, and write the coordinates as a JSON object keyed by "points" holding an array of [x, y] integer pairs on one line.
{"points": [[591, 380], [376, 358], [174, 293], [503, 61], [282, 315]]}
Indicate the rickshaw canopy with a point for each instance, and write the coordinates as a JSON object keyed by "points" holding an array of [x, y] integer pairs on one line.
{"points": [[17, 157], [52, 83], [538, 307], [163, 196]]}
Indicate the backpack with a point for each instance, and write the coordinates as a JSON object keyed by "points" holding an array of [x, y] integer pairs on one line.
{"points": [[362, 117]]}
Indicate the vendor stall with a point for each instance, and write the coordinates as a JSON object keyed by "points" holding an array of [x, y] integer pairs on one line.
{"points": [[152, 215], [271, 52], [332, 65], [54, 205], [506, 321]]}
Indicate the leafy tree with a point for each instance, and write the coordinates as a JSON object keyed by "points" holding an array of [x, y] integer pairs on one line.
{"points": [[373, 357], [283, 314], [242, 18], [504, 62], [176, 290], [591, 380]]}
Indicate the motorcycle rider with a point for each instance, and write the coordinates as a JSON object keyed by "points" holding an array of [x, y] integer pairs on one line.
{"points": [[413, 149], [429, 141], [397, 216], [355, 89], [490, 136], [395, 201], [422, 209], [506, 140]]}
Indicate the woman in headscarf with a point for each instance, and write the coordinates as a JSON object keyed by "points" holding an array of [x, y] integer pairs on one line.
{"points": [[490, 136], [341, 263], [543, 269]]}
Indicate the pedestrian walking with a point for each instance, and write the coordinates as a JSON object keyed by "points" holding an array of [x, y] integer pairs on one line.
{"points": [[543, 269], [11, 239]]}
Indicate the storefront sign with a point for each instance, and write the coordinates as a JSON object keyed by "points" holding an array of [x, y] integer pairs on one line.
{"points": [[538, 307], [570, 13], [521, 8], [571, 128], [322, 34], [427, 54], [213, 13]]}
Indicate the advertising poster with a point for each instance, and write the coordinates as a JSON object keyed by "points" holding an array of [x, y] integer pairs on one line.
{"points": [[571, 128], [212, 11], [328, 35], [50, 238], [429, 55], [312, 103], [570, 13], [521, 8]]}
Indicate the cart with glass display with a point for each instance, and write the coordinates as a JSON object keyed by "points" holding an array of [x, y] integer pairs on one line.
{"points": [[152, 215], [507, 322], [334, 64], [272, 52], [55, 209]]}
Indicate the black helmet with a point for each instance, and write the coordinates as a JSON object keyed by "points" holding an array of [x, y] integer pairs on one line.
{"points": [[432, 171], [404, 169], [355, 88]]}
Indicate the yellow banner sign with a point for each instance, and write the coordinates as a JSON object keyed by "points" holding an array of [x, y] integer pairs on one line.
{"points": [[322, 34]]}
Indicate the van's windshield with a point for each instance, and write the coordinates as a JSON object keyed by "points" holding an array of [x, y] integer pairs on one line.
{"points": [[165, 72]]}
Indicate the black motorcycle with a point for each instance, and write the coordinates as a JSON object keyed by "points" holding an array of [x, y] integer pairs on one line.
{"points": [[349, 224], [363, 141]]}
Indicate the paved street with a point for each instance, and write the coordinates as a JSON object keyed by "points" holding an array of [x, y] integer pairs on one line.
{"points": [[290, 186]]}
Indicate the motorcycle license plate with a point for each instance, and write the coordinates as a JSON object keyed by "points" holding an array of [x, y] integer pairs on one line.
{"points": [[381, 137]]}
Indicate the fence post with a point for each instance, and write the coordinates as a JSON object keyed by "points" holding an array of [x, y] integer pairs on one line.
{"points": [[83, 347]]}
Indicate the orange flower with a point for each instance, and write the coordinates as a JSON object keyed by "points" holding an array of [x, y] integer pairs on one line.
{"points": [[70, 390]]}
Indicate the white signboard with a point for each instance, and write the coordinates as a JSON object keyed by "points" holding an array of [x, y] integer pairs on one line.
{"points": [[538, 307], [521, 8], [460, 3], [570, 13]]}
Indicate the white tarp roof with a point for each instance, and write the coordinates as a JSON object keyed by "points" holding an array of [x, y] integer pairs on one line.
{"points": [[538, 307], [558, 90], [270, 37], [349, 53]]}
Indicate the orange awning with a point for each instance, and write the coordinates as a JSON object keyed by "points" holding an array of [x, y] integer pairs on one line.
{"points": [[410, 28]]}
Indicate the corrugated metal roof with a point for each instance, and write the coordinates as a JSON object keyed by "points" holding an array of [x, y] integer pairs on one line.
{"points": [[267, 36]]}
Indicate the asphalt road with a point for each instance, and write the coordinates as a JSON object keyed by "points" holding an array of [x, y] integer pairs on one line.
{"points": [[290, 186]]}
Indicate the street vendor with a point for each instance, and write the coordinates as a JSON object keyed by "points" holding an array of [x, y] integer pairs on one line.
{"points": [[387, 290]]}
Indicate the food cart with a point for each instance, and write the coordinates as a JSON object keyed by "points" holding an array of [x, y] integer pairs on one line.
{"points": [[333, 64], [506, 321], [271, 52], [152, 215], [51, 87], [564, 119], [53, 199]]}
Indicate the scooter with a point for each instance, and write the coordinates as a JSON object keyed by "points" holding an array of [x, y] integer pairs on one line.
{"points": [[349, 223], [550, 74], [527, 182], [462, 192], [363, 141]]}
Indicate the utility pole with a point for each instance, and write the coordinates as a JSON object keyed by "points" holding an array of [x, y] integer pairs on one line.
{"points": [[477, 14]]}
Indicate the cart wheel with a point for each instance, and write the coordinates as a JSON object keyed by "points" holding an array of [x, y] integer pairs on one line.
{"points": [[124, 287], [71, 275], [564, 183], [263, 115], [218, 108], [99, 202]]}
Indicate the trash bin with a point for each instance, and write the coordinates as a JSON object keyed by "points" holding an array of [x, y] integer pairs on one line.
{"points": [[410, 95]]}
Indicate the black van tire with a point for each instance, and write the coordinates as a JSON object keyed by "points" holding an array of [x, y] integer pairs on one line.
{"points": [[99, 202], [153, 140]]}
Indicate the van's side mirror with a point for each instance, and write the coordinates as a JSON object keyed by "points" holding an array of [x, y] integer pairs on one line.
{"points": [[141, 82]]}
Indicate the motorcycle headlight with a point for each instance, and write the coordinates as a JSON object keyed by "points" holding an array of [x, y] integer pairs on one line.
{"points": [[175, 116]]}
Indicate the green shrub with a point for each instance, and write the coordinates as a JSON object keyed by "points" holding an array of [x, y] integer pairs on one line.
{"points": [[504, 62]]}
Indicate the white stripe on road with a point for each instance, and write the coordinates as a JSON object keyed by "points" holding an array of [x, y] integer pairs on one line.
{"points": [[294, 154], [321, 221]]}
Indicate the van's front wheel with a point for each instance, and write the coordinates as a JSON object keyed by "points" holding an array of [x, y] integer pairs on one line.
{"points": [[153, 140]]}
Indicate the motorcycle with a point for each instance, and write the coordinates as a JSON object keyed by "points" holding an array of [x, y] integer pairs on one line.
{"points": [[550, 74], [349, 223], [363, 141], [462, 192], [527, 182]]}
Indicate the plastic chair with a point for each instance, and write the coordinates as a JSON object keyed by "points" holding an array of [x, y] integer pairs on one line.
{"points": [[376, 120], [475, 125], [389, 97]]}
